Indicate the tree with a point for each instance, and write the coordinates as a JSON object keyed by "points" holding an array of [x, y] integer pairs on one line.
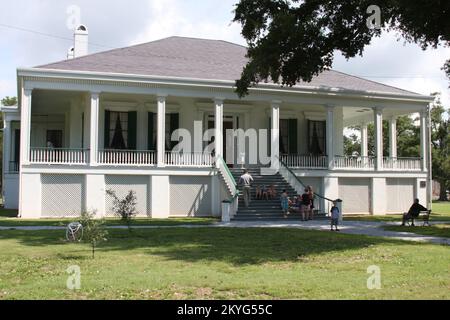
{"points": [[93, 230], [124, 208], [9, 101], [440, 140], [408, 138], [293, 40]]}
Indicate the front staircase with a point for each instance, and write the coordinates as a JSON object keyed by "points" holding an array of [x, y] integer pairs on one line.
{"points": [[265, 209]]}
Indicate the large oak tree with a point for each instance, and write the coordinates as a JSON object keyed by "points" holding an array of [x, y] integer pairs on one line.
{"points": [[292, 40]]}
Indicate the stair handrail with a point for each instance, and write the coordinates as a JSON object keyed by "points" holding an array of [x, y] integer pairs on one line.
{"points": [[283, 164], [222, 166]]}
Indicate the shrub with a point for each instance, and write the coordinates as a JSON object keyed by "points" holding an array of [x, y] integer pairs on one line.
{"points": [[93, 230], [124, 208]]}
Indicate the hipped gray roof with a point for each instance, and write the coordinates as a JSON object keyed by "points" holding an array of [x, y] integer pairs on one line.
{"points": [[199, 59]]}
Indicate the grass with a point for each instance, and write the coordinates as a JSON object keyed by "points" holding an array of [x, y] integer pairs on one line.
{"points": [[441, 212], [221, 263], [437, 230], [8, 219]]}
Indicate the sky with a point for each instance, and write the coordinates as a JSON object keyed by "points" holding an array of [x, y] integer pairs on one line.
{"points": [[36, 32]]}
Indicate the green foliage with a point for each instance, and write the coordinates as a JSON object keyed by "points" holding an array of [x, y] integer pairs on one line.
{"points": [[440, 140], [295, 40], [352, 145], [408, 138], [124, 208], [9, 101], [93, 230]]}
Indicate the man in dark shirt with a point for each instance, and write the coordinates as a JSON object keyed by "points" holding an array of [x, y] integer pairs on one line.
{"points": [[413, 212]]}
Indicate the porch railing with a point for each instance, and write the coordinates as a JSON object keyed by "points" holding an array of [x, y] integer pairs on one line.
{"points": [[354, 163], [127, 157], [305, 161], [408, 164], [193, 159], [59, 156]]}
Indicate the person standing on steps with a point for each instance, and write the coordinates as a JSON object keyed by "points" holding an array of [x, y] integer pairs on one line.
{"points": [[246, 181]]}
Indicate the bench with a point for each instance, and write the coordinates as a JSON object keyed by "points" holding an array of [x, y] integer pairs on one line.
{"points": [[425, 218]]}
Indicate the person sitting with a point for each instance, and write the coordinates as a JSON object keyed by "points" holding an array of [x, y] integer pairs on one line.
{"points": [[272, 192], [264, 193], [258, 194], [413, 212], [294, 205]]}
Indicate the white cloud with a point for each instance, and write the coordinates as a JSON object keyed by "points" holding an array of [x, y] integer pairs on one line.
{"points": [[169, 18], [121, 23], [401, 65], [8, 88]]}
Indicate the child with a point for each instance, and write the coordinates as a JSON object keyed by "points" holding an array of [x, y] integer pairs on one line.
{"points": [[273, 192], [284, 203], [334, 216], [264, 193]]}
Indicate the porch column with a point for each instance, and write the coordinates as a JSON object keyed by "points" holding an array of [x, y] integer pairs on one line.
{"points": [[378, 121], [393, 137], [364, 140], [218, 125], [25, 126], [94, 121], [275, 135], [6, 145], [161, 131], [330, 136], [423, 139]]}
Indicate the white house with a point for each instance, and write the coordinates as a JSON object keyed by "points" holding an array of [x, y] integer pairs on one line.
{"points": [[105, 121]]}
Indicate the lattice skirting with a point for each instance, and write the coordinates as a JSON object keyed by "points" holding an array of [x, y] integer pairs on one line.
{"points": [[355, 193], [399, 194], [62, 195], [121, 185], [190, 196]]}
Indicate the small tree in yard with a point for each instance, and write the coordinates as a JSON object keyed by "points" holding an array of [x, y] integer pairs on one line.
{"points": [[93, 230], [124, 208]]}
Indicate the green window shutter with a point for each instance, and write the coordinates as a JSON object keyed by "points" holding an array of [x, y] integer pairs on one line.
{"points": [[293, 136], [150, 141], [174, 125], [132, 130], [107, 123]]}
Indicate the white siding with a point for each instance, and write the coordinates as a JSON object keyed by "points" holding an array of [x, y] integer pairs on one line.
{"points": [[355, 194]]}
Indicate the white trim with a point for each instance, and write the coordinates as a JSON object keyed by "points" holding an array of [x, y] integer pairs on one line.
{"points": [[104, 76], [315, 116]]}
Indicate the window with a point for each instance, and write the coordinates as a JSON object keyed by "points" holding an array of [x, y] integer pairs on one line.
{"points": [[54, 138], [284, 136], [118, 130], [316, 137]]}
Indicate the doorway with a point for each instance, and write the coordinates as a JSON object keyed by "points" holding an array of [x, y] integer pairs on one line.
{"points": [[229, 122]]}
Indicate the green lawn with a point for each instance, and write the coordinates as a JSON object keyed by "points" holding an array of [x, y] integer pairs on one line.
{"points": [[437, 230], [441, 212], [186, 263], [8, 219]]}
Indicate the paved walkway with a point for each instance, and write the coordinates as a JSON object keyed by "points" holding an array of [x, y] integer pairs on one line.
{"points": [[349, 227]]}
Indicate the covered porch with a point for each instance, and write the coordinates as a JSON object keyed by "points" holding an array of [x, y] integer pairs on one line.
{"points": [[120, 130]]}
